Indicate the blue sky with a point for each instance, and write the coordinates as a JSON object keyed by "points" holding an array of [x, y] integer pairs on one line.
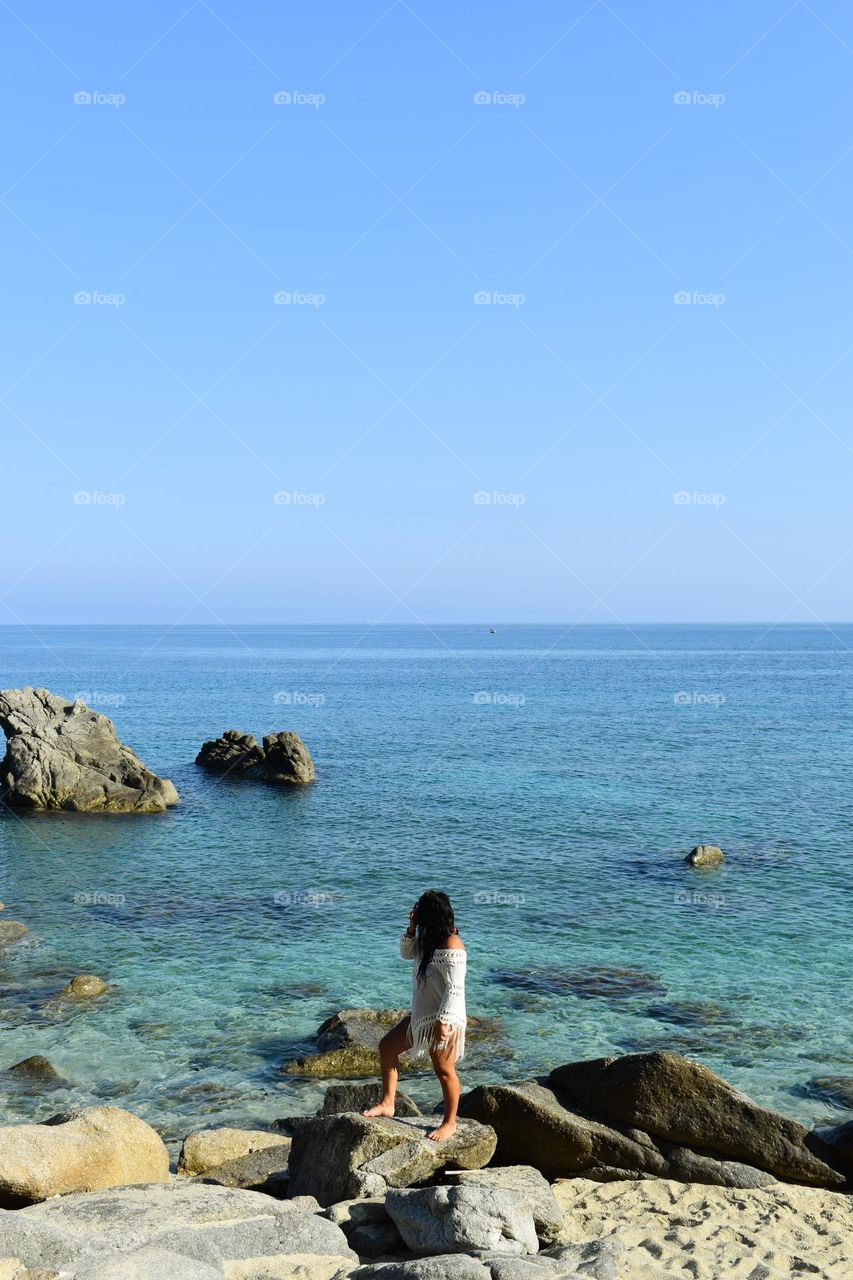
{"points": [[148, 166]]}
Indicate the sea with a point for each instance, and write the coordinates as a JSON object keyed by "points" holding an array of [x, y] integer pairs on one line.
{"points": [[550, 779]]}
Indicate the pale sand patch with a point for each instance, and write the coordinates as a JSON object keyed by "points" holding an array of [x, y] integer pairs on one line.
{"points": [[694, 1232]]}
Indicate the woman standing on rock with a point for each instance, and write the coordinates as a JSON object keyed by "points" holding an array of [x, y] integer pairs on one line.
{"points": [[436, 1024]]}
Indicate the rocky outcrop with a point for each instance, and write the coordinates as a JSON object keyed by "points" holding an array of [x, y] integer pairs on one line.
{"points": [[36, 1067], [835, 1089], [347, 1043], [680, 1101], [341, 1157], [283, 759], [61, 755], [648, 1115], [196, 1225], [81, 1151], [705, 855]]}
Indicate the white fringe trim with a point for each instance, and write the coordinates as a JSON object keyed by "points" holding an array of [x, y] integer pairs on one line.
{"points": [[423, 1034]]}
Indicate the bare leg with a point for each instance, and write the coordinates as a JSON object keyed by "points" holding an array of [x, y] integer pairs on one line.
{"points": [[390, 1047], [444, 1064]]}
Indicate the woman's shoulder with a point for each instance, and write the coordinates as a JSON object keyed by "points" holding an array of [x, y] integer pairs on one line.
{"points": [[454, 943]]}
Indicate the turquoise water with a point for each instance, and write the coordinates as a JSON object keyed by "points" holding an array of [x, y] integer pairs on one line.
{"points": [[550, 780]]}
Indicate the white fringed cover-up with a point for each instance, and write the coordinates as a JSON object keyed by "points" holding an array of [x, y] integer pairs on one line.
{"points": [[438, 999]]}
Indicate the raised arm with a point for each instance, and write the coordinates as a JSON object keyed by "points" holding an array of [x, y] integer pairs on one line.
{"points": [[408, 942]]}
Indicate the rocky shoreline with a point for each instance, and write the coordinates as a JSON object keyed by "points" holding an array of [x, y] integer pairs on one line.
{"points": [[627, 1168]]}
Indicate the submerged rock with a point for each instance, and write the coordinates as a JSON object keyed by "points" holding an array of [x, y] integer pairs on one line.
{"points": [[341, 1157], [835, 1089], [81, 1151], [283, 759], [347, 1044], [610, 982], [62, 755], [705, 855], [11, 931], [83, 987], [36, 1067]]}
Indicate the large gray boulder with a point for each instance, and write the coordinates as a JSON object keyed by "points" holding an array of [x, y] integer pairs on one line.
{"points": [[526, 1184], [341, 1157], [81, 1151], [283, 759], [435, 1220], [62, 755], [541, 1124], [347, 1044], [674, 1099], [207, 1223]]}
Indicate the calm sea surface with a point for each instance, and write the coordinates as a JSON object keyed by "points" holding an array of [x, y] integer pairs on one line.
{"points": [[550, 780]]}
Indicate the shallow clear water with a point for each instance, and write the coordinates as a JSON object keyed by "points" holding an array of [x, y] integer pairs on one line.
{"points": [[556, 811]]}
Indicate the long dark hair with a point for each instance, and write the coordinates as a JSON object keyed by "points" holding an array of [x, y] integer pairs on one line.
{"points": [[433, 925]]}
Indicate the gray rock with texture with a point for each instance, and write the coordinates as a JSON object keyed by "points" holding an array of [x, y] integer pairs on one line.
{"points": [[283, 759], [705, 855], [449, 1266], [648, 1115], [529, 1186], [461, 1219], [11, 931], [150, 1264], [200, 1221], [340, 1157], [62, 755]]}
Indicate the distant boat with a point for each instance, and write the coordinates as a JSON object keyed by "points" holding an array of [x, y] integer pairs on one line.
{"points": [[492, 631]]}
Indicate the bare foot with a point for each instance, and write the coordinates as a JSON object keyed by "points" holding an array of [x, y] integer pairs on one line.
{"points": [[443, 1132], [382, 1109]]}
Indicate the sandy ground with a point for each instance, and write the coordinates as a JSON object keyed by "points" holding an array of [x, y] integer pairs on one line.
{"points": [[696, 1232]]}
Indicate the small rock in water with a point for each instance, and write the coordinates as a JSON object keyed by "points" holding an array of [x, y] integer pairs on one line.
{"points": [[705, 855], [84, 986], [689, 1013], [11, 931], [283, 759], [37, 1067]]}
